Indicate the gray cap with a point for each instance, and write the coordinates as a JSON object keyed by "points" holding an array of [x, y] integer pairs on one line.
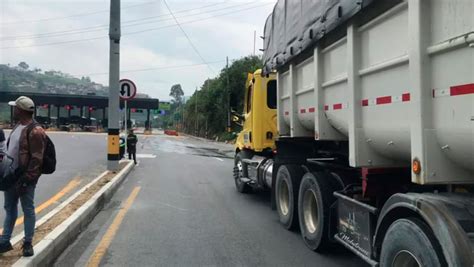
{"points": [[24, 103]]}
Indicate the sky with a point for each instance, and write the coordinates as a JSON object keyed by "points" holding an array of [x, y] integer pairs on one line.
{"points": [[72, 36]]}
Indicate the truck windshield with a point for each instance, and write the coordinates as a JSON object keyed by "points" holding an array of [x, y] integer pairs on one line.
{"points": [[271, 94]]}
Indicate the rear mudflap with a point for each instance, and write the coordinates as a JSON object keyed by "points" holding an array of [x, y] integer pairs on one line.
{"points": [[356, 222]]}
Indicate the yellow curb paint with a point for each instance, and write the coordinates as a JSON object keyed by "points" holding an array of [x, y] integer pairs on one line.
{"points": [[104, 244], [70, 186]]}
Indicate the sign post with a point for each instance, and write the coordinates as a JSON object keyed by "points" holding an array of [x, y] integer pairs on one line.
{"points": [[128, 90]]}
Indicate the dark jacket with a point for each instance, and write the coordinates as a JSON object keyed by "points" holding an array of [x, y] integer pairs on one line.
{"points": [[132, 141], [31, 154], [2, 136]]}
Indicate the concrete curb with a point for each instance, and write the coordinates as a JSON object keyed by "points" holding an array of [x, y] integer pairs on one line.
{"points": [[49, 215], [53, 244]]}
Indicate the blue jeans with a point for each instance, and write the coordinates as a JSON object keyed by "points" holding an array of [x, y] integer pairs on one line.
{"points": [[11, 208]]}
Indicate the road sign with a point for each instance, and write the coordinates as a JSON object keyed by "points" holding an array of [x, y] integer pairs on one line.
{"points": [[128, 89], [165, 105]]}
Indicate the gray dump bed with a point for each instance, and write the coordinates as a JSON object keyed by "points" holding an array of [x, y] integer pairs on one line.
{"points": [[296, 25], [393, 78]]}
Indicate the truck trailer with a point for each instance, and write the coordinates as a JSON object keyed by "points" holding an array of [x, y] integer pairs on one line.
{"points": [[361, 123]]}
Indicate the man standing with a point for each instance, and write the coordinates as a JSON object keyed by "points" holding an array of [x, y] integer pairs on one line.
{"points": [[132, 141], [26, 146]]}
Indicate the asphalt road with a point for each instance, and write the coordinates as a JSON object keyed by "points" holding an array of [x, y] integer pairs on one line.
{"points": [[80, 158], [188, 213]]}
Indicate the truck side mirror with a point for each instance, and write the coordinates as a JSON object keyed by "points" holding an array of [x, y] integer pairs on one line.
{"points": [[237, 118]]}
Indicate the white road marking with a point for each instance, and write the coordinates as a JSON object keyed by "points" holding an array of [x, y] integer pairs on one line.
{"points": [[170, 206], [146, 156], [218, 159]]}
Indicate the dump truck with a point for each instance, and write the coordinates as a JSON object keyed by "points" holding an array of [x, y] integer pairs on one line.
{"points": [[361, 124]]}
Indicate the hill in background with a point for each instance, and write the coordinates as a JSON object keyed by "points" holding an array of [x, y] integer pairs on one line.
{"points": [[23, 79]]}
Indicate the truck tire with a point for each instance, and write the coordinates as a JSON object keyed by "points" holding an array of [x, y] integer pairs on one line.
{"points": [[286, 193], [314, 203], [240, 170], [410, 242]]}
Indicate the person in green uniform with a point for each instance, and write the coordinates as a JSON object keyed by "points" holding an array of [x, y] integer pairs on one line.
{"points": [[132, 141], [122, 145]]}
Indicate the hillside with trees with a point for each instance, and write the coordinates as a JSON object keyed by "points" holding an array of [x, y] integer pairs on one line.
{"points": [[205, 112], [23, 78]]}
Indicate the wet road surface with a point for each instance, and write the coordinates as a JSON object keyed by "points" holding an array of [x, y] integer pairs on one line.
{"points": [[179, 207]]}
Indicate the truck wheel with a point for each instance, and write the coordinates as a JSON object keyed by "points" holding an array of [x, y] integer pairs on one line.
{"points": [[240, 170], [409, 242], [314, 202], [286, 193]]}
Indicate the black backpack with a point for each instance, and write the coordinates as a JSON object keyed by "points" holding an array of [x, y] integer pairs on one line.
{"points": [[49, 155]]}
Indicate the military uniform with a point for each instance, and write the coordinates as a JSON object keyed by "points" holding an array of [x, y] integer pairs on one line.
{"points": [[132, 141]]}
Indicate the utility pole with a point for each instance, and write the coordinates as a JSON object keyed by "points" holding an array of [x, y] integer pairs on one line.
{"points": [[196, 113], [254, 41], [114, 77], [228, 97]]}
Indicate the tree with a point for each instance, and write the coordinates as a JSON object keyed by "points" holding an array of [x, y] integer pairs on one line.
{"points": [[209, 106], [23, 65], [4, 85], [41, 85], [177, 93]]}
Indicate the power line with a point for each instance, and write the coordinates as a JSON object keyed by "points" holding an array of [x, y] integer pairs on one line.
{"points": [[186, 35], [199, 20], [97, 27], [136, 32], [71, 16], [153, 68], [102, 27]]}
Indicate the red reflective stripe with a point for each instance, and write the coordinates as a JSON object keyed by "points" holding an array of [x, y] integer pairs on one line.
{"points": [[383, 100], [365, 102], [464, 89], [302, 110], [311, 110], [337, 106], [406, 97], [326, 107]]}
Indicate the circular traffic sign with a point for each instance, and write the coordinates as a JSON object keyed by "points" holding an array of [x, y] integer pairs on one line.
{"points": [[127, 89]]}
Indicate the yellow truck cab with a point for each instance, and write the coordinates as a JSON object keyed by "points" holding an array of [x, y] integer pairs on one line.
{"points": [[260, 116], [256, 142]]}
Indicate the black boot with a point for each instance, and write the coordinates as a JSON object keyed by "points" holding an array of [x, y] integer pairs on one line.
{"points": [[5, 247], [28, 249]]}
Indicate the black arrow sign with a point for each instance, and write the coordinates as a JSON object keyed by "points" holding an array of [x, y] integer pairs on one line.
{"points": [[125, 88]]}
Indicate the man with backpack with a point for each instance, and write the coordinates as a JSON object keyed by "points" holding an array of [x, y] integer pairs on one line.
{"points": [[26, 146]]}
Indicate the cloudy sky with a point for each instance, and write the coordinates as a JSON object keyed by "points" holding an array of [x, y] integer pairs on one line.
{"points": [[72, 36]]}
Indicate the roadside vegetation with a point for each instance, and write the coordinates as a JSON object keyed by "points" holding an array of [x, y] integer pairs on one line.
{"points": [[205, 113]]}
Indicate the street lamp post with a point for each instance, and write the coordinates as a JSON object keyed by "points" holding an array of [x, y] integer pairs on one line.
{"points": [[196, 114], [114, 77]]}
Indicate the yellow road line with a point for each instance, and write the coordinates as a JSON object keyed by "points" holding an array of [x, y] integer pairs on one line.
{"points": [[70, 186], [104, 244]]}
